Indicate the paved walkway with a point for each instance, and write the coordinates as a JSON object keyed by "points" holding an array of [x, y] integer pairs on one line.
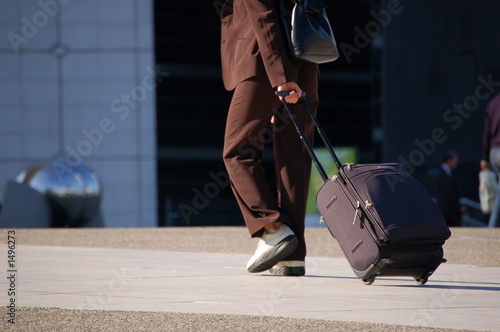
{"points": [[456, 296]]}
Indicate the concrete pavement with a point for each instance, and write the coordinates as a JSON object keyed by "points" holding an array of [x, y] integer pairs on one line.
{"points": [[64, 280]]}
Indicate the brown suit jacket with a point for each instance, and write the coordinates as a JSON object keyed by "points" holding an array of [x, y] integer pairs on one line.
{"points": [[252, 43]]}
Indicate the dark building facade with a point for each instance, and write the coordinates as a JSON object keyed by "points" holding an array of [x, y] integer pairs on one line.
{"points": [[405, 89], [440, 65]]}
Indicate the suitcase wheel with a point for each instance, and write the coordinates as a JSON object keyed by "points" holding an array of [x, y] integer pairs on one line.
{"points": [[369, 280], [422, 281]]}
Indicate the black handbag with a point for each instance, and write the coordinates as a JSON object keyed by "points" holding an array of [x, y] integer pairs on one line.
{"points": [[308, 31]]}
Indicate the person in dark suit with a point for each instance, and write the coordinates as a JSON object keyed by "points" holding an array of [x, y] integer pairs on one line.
{"points": [[255, 64], [447, 194]]}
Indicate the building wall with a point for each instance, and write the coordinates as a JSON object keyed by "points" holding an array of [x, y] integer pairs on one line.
{"points": [[437, 61], [77, 78], [435, 58]]}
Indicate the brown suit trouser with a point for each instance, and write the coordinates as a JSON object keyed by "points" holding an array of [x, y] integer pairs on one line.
{"points": [[247, 131]]}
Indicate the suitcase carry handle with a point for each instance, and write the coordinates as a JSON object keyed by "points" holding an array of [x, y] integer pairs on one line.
{"points": [[307, 144]]}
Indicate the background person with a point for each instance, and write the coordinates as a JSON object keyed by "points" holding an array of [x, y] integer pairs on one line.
{"points": [[447, 195], [491, 149], [488, 185]]}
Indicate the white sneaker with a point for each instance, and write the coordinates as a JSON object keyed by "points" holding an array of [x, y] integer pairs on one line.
{"points": [[272, 248], [289, 268]]}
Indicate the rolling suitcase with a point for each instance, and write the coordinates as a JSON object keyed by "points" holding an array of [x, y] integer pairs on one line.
{"points": [[382, 217]]}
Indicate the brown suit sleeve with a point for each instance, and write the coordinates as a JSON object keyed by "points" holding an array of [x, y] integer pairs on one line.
{"points": [[265, 23]]}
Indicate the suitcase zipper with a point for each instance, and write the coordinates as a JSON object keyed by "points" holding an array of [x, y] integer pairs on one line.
{"points": [[368, 205], [358, 207], [364, 209]]}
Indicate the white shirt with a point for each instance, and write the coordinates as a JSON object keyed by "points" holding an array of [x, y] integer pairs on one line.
{"points": [[446, 169]]}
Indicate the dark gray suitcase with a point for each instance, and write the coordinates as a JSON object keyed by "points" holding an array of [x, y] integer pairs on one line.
{"points": [[383, 218]]}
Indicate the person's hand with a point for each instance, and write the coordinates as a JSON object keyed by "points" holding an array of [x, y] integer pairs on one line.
{"points": [[295, 93]]}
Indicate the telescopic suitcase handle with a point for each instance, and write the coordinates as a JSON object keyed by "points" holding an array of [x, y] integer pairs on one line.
{"points": [[309, 148]]}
